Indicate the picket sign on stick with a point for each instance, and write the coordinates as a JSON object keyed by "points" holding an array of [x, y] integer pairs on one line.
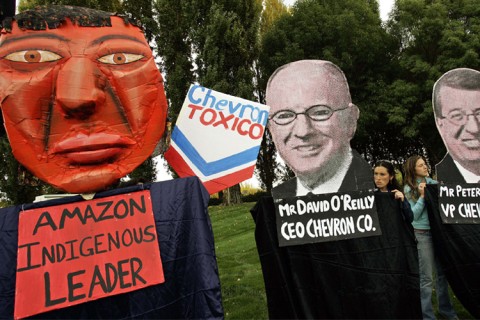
{"points": [[217, 138]]}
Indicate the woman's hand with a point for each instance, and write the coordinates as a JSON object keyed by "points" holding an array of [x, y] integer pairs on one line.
{"points": [[421, 189], [398, 195]]}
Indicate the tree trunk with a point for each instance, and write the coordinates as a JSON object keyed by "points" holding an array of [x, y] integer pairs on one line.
{"points": [[267, 163], [232, 196]]}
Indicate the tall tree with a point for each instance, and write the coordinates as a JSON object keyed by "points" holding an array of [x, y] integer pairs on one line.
{"points": [[227, 48], [175, 46], [267, 166], [432, 38], [17, 185], [272, 10], [145, 171], [143, 11], [350, 34], [107, 5]]}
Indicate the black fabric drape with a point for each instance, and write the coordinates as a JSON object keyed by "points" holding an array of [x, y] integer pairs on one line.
{"points": [[191, 289], [458, 249], [365, 278]]}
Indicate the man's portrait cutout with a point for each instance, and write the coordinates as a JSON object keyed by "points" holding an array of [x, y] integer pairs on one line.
{"points": [[456, 97], [312, 120]]}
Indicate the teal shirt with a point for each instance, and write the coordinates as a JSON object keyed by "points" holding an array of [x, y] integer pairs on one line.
{"points": [[419, 209]]}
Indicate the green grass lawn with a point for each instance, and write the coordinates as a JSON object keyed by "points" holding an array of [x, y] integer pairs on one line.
{"points": [[243, 290]]}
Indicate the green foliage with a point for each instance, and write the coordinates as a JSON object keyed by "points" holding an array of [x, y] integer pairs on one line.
{"points": [[141, 10], [432, 37], [267, 168], [176, 23], [145, 171], [105, 5], [350, 34], [391, 68], [234, 46], [17, 184], [273, 9], [174, 42], [248, 188], [227, 50], [346, 32]]}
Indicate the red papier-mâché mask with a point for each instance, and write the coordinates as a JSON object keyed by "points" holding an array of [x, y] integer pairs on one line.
{"points": [[82, 106]]}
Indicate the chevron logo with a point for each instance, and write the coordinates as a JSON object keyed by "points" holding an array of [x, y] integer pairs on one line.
{"points": [[217, 138]]}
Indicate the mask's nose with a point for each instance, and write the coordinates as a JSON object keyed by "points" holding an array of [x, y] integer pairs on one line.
{"points": [[79, 88]]}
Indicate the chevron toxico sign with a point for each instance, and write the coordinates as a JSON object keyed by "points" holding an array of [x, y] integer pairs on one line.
{"points": [[217, 138]]}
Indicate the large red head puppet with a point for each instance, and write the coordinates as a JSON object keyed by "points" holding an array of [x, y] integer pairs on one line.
{"points": [[81, 97]]}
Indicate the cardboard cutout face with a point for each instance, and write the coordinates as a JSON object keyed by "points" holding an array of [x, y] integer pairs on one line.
{"points": [[82, 106], [304, 143], [312, 120], [457, 115]]}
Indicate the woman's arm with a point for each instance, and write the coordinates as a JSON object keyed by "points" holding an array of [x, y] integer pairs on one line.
{"points": [[416, 206], [404, 205]]}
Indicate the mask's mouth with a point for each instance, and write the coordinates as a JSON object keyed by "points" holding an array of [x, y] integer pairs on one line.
{"points": [[86, 149]]}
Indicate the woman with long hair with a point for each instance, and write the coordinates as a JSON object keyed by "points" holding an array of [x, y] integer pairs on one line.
{"points": [[385, 181], [416, 180]]}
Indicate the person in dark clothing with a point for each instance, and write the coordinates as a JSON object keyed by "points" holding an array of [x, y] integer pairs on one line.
{"points": [[385, 181], [416, 180]]}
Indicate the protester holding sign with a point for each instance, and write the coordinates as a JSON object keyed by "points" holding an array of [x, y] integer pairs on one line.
{"points": [[416, 179], [385, 181], [312, 122]]}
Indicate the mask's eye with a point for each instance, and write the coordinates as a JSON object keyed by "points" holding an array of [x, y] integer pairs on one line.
{"points": [[31, 56], [120, 58]]}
